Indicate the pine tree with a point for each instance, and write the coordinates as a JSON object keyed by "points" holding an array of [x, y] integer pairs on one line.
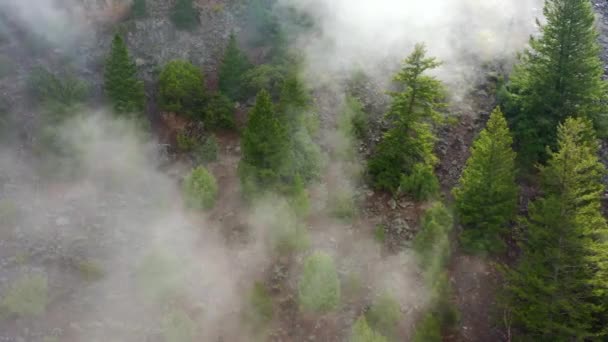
{"points": [[265, 147], [413, 112], [487, 194], [559, 76], [184, 16], [125, 91], [555, 289], [234, 66]]}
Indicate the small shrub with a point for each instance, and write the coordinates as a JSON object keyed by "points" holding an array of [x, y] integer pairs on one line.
{"points": [[185, 143], [421, 183], [27, 296], [384, 315], [260, 310], [219, 113], [319, 287], [181, 88], [207, 152], [342, 204], [428, 330], [178, 327], [200, 189], [51, 90], [431, 244], [380, 233], [361, 332], [265, 76], [299, 201], [90, 270], [184, 16]]}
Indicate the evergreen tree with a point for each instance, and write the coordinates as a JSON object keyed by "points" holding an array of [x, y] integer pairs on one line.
{"points": [[234, 66], [559, 76], [184, 16], [265, 147], [362, 332], [487, 194], [413, 112], [125, 91], [555, 289]]}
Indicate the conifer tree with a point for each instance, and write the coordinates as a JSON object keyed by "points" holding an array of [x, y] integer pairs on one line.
{"points": [[234, 66], [487, 194], [554, 291], [413, 112], [559, 76], [265, 146], [124, 90], [184, 16]]}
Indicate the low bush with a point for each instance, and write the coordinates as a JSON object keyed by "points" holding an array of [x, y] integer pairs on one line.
{"points": [[181, 88], [219, 113], [184, 16], [27, 296], [319, 286], [200, 189], [259, 311], [361, 332], [421, 182], [384, 315]]}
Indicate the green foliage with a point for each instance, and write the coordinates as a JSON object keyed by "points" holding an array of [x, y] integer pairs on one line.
{"points": [[27, 296], [432, 244], [185, 143], [352, 126], [305, 157], [219, 113], [380, 233], [200, 189], [184, 16], [421, 182], [207, 152], [138, 9], [265, 146], [486, 196], [178, 327], [299, 198], [413, 112], [384, 315], [181, 88], [234, 65], [342, 203], [260, 311], [265, 76], [560, 75], [554, 291], [428, 330], [361, 332], [319, 287], [286, 234], [58, 94], [90, 270], [124, 90]]}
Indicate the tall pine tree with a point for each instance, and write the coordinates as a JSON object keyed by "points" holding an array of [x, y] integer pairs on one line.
{"points": [[487, 194], [124, 90], [413, 112], [265, 147], [559, 76], [554, 291], [234, 66]]}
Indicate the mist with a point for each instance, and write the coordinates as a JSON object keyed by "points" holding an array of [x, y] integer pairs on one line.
{"points": [[374, 36]]}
